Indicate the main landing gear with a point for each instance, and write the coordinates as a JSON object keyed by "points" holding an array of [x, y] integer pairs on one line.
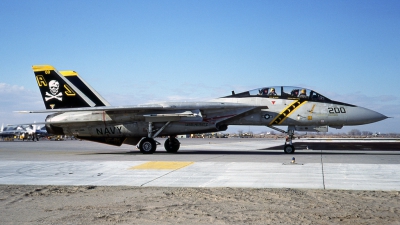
{"points": [[148, 145], [172, 144]]}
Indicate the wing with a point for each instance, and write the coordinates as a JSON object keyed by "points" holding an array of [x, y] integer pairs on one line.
{"points": [[150, 107], [162, 112]]}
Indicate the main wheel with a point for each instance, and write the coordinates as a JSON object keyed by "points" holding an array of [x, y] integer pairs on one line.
{"points": [[172, 145], [147, 146], [289, 149]]}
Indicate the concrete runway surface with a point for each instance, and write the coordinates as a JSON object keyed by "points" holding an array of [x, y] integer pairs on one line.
{"points": [[231, 162]]}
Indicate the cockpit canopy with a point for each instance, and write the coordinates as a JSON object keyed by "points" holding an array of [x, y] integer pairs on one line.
{"points": [[284, 92]]}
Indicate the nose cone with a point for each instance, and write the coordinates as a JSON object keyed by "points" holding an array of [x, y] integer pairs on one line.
{"points": [[360, 116]]}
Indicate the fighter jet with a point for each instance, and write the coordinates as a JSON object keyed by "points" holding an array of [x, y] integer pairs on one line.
{"points": [[18, 131], [10, 131], [76, 110], [41, 132]]}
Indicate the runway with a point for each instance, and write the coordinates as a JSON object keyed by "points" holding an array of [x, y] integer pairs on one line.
{"points": [[252, 163]]}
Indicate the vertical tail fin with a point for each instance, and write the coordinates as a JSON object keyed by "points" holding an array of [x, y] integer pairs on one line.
{"points": [[57, 91], [92, 94]]}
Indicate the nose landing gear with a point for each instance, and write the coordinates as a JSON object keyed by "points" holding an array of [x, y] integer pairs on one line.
{"points": [[288, 147]]}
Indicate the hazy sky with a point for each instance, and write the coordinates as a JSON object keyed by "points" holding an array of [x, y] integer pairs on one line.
{"points": [[134, 52]]}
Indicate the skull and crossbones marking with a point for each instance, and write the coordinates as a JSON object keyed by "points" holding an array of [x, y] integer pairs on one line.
{"points": [[54, 86]]}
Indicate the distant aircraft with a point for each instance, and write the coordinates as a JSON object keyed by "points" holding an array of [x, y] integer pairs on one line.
{"points": [[22, 131], [80, 111], [376, 134], [42, 132]]}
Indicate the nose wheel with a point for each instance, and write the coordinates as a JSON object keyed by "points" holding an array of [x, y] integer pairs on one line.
{"points": [[289, 149]]}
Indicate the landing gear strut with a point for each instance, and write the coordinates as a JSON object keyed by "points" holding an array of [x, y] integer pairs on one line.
{"points": [[148, 145], [288, 147]]}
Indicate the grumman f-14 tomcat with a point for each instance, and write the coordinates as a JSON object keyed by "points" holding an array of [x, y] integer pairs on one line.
{"points": [[78, 110]]}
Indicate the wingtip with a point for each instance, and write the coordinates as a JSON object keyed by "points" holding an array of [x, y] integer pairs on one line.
{"points": [[23, 112]]}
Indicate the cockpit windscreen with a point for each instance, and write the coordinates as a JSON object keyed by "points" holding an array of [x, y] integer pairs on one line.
{"points": [[284, 92]]}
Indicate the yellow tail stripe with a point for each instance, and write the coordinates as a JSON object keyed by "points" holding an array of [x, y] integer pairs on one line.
{"points": [[37, 68], [68, 73]]}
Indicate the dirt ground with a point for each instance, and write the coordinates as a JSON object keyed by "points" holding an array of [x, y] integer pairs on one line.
{"points": [[156, 205]]}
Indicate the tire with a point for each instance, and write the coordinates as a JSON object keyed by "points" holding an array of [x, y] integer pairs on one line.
{"points": [[289, 149], [147, 146], [172, 145]]}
